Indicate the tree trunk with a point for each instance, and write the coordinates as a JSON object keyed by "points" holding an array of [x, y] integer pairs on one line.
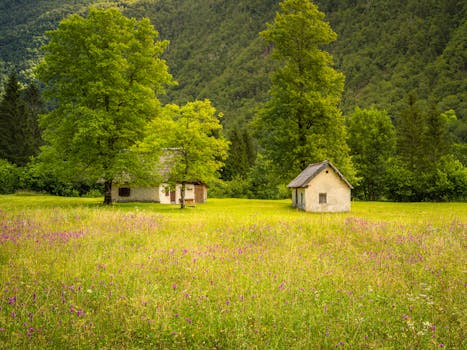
{"points": [[108, 192], [182, 195]]}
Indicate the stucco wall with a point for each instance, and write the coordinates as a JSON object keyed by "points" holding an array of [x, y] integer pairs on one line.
{"points": [[137, 194], [299, 198], [336, 190], [154, 194], [165, 196]]}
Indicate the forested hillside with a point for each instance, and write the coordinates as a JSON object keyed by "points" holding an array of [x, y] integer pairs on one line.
{"points": [[386, 49], [402, 60]]}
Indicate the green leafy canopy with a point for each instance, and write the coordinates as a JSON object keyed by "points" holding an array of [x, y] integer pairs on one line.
{"points": [[301, 123], [102, 75]]}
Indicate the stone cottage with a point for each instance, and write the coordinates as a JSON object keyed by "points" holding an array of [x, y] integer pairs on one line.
{"points": [[321, 188], [195, 192]]}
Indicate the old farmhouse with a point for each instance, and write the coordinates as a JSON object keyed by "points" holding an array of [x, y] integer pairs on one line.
{"points": [[321, 188], [123, 190], [195, 192]]}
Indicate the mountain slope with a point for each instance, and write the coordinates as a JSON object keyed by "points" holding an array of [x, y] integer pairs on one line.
{"points": [[385, 48]]}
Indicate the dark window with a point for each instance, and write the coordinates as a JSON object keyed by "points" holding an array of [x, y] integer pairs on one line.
{"points": [[124, 192], [323, 198]]}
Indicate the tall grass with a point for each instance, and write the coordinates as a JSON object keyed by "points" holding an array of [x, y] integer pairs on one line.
{"points": [[230, 274]]}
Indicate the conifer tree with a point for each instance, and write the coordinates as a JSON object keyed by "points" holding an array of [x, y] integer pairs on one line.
{"points": [[437, 140], [241, 155], [410, 135], [10, 111], [13, 126], [33, 107], [19, 131]]}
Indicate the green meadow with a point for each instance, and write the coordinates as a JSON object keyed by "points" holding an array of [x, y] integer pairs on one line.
{"points": [[230, 274]]}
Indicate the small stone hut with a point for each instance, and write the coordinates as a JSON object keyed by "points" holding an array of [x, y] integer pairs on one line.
{"points": [[321, 188]]}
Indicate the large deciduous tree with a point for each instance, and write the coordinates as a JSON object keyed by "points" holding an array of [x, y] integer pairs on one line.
{"points": [[102, 75], [195, 147], [301, 123]]}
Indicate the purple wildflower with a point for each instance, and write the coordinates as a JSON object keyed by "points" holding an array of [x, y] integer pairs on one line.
{"points": [[30, 331]]}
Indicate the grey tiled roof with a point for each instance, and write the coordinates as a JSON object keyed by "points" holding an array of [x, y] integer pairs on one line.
{"points": [[304, 178]]}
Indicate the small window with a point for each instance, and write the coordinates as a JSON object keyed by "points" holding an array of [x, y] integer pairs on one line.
{"points": [[301, 198], [323, 198], [124, 192]]}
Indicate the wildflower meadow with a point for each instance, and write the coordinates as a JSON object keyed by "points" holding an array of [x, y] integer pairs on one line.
{"points": [[230, 274]]}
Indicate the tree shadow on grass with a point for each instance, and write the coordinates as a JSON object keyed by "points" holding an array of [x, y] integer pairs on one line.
{"points": [[42, 201]]}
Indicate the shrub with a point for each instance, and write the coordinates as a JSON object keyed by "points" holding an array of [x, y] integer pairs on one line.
{"points": [[9, 177], [36, 178]]}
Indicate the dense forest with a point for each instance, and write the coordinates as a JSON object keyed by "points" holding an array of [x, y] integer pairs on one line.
{"points": [[396, 56], [386, 49]]}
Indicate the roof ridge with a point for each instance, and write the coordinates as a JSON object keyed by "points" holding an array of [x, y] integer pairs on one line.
{"points": [[311, 171]]}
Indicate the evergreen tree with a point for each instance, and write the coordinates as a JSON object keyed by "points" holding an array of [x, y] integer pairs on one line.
{"points": [[13, 124], [19, 131], [301, 123], [410, 135], [241, 156], [33, 107], [437, 139], [425, 169], [10, 111]]}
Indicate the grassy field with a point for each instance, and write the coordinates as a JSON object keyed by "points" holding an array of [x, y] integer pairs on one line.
{"points": [[231, 274]]}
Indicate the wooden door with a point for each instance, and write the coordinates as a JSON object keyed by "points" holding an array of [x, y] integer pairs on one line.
{"points": [[199, 193]]}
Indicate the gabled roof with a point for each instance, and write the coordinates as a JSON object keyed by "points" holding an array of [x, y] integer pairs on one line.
{"points": [[304, 178]]}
